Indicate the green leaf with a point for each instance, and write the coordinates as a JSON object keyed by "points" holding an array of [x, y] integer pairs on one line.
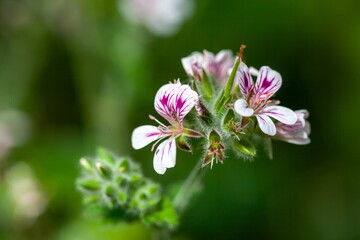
{"points": [[164, 216]]}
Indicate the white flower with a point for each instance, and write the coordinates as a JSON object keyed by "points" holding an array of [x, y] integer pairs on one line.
{"points": [[297, 133], [161, 17], [256, 98], [173, 102]]}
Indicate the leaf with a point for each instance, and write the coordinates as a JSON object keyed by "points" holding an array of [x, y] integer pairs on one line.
{"points": [[165, 216]]}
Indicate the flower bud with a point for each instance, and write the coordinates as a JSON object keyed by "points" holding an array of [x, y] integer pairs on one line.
{"points": [[180, 143], [215, 151], [90, 184], [245, 147], [86, 165], [104, 171]]}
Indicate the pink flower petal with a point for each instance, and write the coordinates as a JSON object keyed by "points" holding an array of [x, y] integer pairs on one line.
{"points": [[163, 100], [184, 100], [267, 83], [173, 101], [144, 135], [165, 156], [299, 138], [282, 114], [195, 59], [242, 108], [266, 124], [245, 80]]}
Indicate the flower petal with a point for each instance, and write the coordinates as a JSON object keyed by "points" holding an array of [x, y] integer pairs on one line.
{"points": [[282, 114], [242, 108], [245, 80], [165, 156], [267, 83], [163, 103], [224, 61], [196, 58], [173, 101], [266, 124], [184, 101], [144, 135], [299, 138]]}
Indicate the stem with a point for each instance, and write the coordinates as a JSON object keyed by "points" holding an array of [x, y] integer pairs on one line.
{"points": [[186, 191], [225, 95]]}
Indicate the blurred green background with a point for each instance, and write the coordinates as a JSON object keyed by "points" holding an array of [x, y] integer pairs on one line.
{"points": [[76, 74]]}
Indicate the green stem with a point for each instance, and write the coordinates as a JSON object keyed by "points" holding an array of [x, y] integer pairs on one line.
{"points": [[187, 190], [225, 95]]}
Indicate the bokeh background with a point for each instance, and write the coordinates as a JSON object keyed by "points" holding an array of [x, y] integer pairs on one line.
{"points": [[77, 74]]}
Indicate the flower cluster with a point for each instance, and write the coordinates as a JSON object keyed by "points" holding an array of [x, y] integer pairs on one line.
{"points": [[230, 109]]}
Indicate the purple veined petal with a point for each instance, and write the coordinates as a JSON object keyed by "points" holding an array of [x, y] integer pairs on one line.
{"points": [[165, 156], [163, 101], [268, 82], [283, 128], [266, 124], [173, 101], [183, 101], [299, 138], [245, 80], [282, 114], [143, 135], [303, 112], [299, 125], [242, 108], [196, 58], [224, 61], [225, 56]]}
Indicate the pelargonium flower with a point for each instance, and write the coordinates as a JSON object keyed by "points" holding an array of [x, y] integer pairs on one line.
{"points": [[297, 133], [173, 102], [217, 65], [256, 99], [161, 17]]}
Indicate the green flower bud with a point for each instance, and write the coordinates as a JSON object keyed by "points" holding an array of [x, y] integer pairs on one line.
{"points": [[245, 147], [90, 184], [86, 165], [104, 171]]}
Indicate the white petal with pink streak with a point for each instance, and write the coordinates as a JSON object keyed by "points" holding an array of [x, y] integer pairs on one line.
{"points": [[188, 62], [165, 156], [143, 135], [268, 82], [243, 77], [282, 114], [163, 100], [266, 124], [183, 101], [242, 108]]}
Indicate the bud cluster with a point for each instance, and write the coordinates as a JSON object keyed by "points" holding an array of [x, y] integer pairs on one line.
{"points": [[117, 183]]}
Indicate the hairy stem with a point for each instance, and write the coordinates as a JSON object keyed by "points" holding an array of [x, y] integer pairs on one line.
{"points": [[189, 187]]}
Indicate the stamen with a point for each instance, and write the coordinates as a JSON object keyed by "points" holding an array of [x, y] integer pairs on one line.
{"points": [[154, 119], [153, 146]]}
